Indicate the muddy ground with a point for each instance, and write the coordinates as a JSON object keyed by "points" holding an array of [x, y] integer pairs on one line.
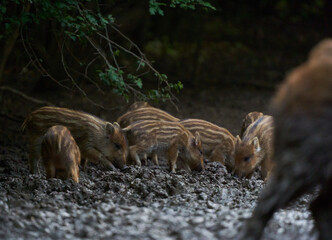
{"points": [[137, 203]]}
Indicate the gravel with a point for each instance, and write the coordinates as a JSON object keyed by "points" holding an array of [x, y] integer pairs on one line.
{"points": [[136, 203]]}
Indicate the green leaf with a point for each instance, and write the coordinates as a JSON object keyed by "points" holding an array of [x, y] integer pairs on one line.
{"points": [[139, 83], [116, 52]]}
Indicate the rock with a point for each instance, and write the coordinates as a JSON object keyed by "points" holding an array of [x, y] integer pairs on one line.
{"points": [[197, 220], [202, 196], [212, 205]]}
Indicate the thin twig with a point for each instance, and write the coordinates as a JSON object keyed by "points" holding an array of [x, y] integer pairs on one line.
{"points": [[74, 82], [130, 41], [90, 80], [36, 62], [42, 102], [11, 117], [99, 50], [128, 51], [89, 64], [78, 87], [114, 58]]}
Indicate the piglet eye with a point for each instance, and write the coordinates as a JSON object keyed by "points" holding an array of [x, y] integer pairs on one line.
{"points": [[246, 159], [117, 146]]}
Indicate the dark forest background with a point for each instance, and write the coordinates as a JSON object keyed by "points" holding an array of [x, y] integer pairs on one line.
{"points": [[241, 44]]}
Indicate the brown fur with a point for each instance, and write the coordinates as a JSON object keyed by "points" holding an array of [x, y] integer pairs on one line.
{"points": [[322, 51], [137, 105], [98, 140], [61, 156], [302, 111], [217, 142], [162, 137], [255, 149], [249, 119], [145, 113]]}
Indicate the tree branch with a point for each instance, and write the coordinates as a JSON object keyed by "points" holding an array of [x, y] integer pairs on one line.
{"points": [[37, 63], [23, 95], [74, 82]]}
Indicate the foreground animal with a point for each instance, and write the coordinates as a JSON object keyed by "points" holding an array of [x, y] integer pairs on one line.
{"points": [[303, 111], [145, 113], [61, 156], [137, 105], [98, 140], [255, 149], [249, 119], [165, 138], [217, 142]]}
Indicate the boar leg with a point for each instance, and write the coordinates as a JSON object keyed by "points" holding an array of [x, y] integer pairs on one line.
{"points": [[286, 184], [172, 156], [84, 162], [267, 165], [155, 158], [50, 170], [321, 209], [185, 166], [145, 159], [72, 173], [34, 154], [134, 156], [96, 157], [217, 155], [264, 173], [75, 173]]}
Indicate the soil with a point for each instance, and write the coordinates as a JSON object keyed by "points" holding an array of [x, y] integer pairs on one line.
{"points": [[137, 203]]}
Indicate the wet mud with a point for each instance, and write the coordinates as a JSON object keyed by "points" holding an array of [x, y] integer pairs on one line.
{"points": [[136, 203]]}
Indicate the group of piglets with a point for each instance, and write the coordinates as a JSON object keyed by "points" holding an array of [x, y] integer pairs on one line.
{"points": [[291, 147]]}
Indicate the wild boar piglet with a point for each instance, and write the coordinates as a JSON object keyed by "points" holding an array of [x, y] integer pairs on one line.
{"points": [[60, 153], [255, 149], [99, 141], [137, 105], [249, 119], [145, 113], [165, 138], [217, 142]]}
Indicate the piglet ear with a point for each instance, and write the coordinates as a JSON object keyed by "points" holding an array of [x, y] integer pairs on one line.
{"points": [[109, 128], [256, 144], [238, 139], [197, 139]]}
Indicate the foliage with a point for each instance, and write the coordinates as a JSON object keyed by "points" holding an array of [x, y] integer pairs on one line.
{"points": [[156, 6], [83, 22]]}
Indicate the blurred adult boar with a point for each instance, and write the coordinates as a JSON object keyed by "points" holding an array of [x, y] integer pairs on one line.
{"points": [[99, 141], [303, 138], [60, 153]]}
